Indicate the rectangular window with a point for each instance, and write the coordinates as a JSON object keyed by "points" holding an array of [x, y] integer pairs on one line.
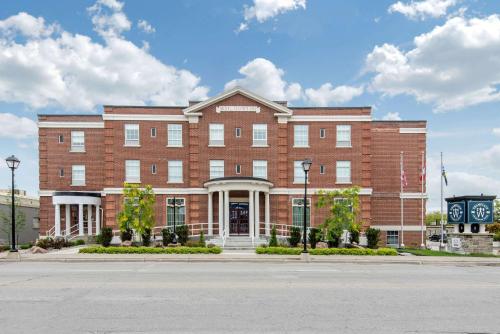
{"points": [[216, 135], [298, 172], [78, 175], [343, 172], [301, 136], [216, 169], [77, 141], [345, 200], [175, 171], [392, 238], [153, 169], [132, 171], [61, 172], [131, 134], [238, 169], [260, 169], [322, 169], [175, 135], [298, 212], [61, 139], [180, 212], [237, 132], [322, 133], [260, 135], [153, 132], [343, 136]]}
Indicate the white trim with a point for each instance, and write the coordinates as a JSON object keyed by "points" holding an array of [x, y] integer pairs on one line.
{"points": [[144, 117], [254, 109], [413, 195], [412, 130], [71, 125], [163, 191], [330, 118], [300, 191], [90, 200], [412, 228]]}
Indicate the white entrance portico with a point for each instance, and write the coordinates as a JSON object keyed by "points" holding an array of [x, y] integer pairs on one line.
{"points": [[242, 209], [88, 202]]}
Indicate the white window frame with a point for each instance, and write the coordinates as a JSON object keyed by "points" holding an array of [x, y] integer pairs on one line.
{"points": [[341, 167], [301, 176], [131, 141], [133, 171], [174, 134], [322, 169], [343, 136], [153, 132], [175, 177], [259, 135], [394, 234], [216, 169], [74, 181], [216, 134], [180, 205], [237, 132], [238, 169], [301, 135], [60, 139], [61, 172], [260, 169], [322, 133], [77, 145], [154, 169]]}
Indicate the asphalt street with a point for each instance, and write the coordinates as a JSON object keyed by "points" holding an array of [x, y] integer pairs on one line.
{"points": [[247, 298]]}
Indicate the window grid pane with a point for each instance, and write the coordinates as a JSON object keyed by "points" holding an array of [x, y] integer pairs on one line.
{"points": [[260, 134], [298, 212], [343, 135], [132, 134], [132, 171], [343, 171], [216, 169], [299, 174], [175, 135], [175, 171], [180, 212], [216, 134], [301, 135], [77, 141], [260, 169], [393, 238], [78, 175]]}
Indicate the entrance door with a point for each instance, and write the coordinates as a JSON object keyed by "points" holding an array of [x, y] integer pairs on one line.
{"points": [[238, 218]]}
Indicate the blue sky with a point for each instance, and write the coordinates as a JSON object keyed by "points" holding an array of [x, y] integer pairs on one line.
{"points": [[437, 60]]}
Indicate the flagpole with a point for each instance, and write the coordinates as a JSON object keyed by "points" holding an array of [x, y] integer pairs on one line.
{"points": [[422, 202], [401, 185], [441, 245]]}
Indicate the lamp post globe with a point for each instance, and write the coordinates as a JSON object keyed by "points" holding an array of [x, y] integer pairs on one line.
{"points": [[306, 166], [13, 163]]}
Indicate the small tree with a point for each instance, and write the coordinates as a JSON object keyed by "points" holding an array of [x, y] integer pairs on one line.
{"points": [[273, 241], [295, 236], [434, 217], [6, 220], [313, 236], [373, 237], [497, 210], [105, 237], [354, 233]]}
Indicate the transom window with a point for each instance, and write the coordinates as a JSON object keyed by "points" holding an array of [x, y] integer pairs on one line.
{"points": [[298, 212], [343, 136], [259, 134], [77, 141], [298, 172], [175, 171], [216, 169], [301, 136], [132, 171], [175, 135], [260, 169], [392, 238], [322, 133], [180, 211], [343, 172], [216, 135], [78, 175], [131, 134]]}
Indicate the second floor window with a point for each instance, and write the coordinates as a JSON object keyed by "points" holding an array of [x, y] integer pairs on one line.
{"points": [[343, 172], [259, 134], [131, 134], [175, 171], [216, 135], [78, 175], [260, 169], [132, 171], [301, 136], [343, 136], [77, 141], [298, 172], [216, 169], [175, 135]]}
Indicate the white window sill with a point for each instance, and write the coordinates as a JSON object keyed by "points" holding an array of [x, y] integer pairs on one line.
{"points": [[133, 181], [295, 146], [175, 182], [343, 146], [260, 145], [130, 145], [175, 146], [300, 182], [78, 185], [213, 145], [77, 151], [339, 182]]}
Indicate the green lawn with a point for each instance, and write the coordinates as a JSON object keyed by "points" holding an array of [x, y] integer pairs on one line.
{"points": [[428, 252]]}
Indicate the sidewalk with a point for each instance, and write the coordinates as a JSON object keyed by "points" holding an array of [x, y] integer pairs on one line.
{"points": [[72, 255]]}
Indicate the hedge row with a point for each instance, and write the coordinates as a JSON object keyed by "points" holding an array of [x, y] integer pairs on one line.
{"points": [[150, 250], [326, 251]]}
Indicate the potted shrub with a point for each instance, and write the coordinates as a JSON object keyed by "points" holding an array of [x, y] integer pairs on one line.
{"points": [[294, 238], [373, 237], [105, 237], [273, 241], [182, 232], [313, 237], [146, 237]]}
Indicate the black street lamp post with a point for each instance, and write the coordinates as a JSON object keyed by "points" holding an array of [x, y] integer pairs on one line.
{"points": [[174, 239], [13, 163], [306, 165]]}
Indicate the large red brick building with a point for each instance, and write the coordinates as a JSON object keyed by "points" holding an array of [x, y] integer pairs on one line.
{"points": [[232, 163]]}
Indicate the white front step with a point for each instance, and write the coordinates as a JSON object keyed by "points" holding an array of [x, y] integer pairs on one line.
{"points": [[237, 242]]}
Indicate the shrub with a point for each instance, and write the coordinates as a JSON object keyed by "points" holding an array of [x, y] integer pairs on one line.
{"points": [[126, 234], [354, 234], [59, 242], [373, 237], [333, 237], [146, 237], [278, 250], [79, 242], [150, 250], [45, 243], [182, 232], [26, 246], [327, 251], [193, 243], [4, 248], [202, 239], [496, 237], [211, 245], [493, 228], [105, 237], [294, 236], [167, 236], [313, 237], [273, 241]]}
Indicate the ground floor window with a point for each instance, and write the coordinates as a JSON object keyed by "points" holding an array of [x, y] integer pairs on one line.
{"points": [[298, 212], [392, 238], [180, 211]]}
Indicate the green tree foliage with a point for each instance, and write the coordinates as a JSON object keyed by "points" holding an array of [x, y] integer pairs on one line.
{"points": [[6, 220], [433, 217], [497, 210], [273, 241], [138, 209], [373, 236]]}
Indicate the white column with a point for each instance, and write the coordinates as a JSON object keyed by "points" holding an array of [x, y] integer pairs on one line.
{"points": [[67, 219], [97, 220], [80, 219], [210, 215], [221, 213], [257, 215], [226, 211], [251, 212], [267, 215], [89, 218], [57, 220]]}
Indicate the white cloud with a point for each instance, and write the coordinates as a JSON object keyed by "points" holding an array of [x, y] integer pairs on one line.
{"points": [[14, 127], [496, 131], [453, 66], [327, 94], [146, 27], [74, 72], [263, 10], [26, 25], [391, 116], [108, 18], [422, 9]]}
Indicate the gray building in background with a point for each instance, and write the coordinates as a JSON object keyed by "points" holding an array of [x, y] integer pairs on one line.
{"points": [[29, 206]]}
